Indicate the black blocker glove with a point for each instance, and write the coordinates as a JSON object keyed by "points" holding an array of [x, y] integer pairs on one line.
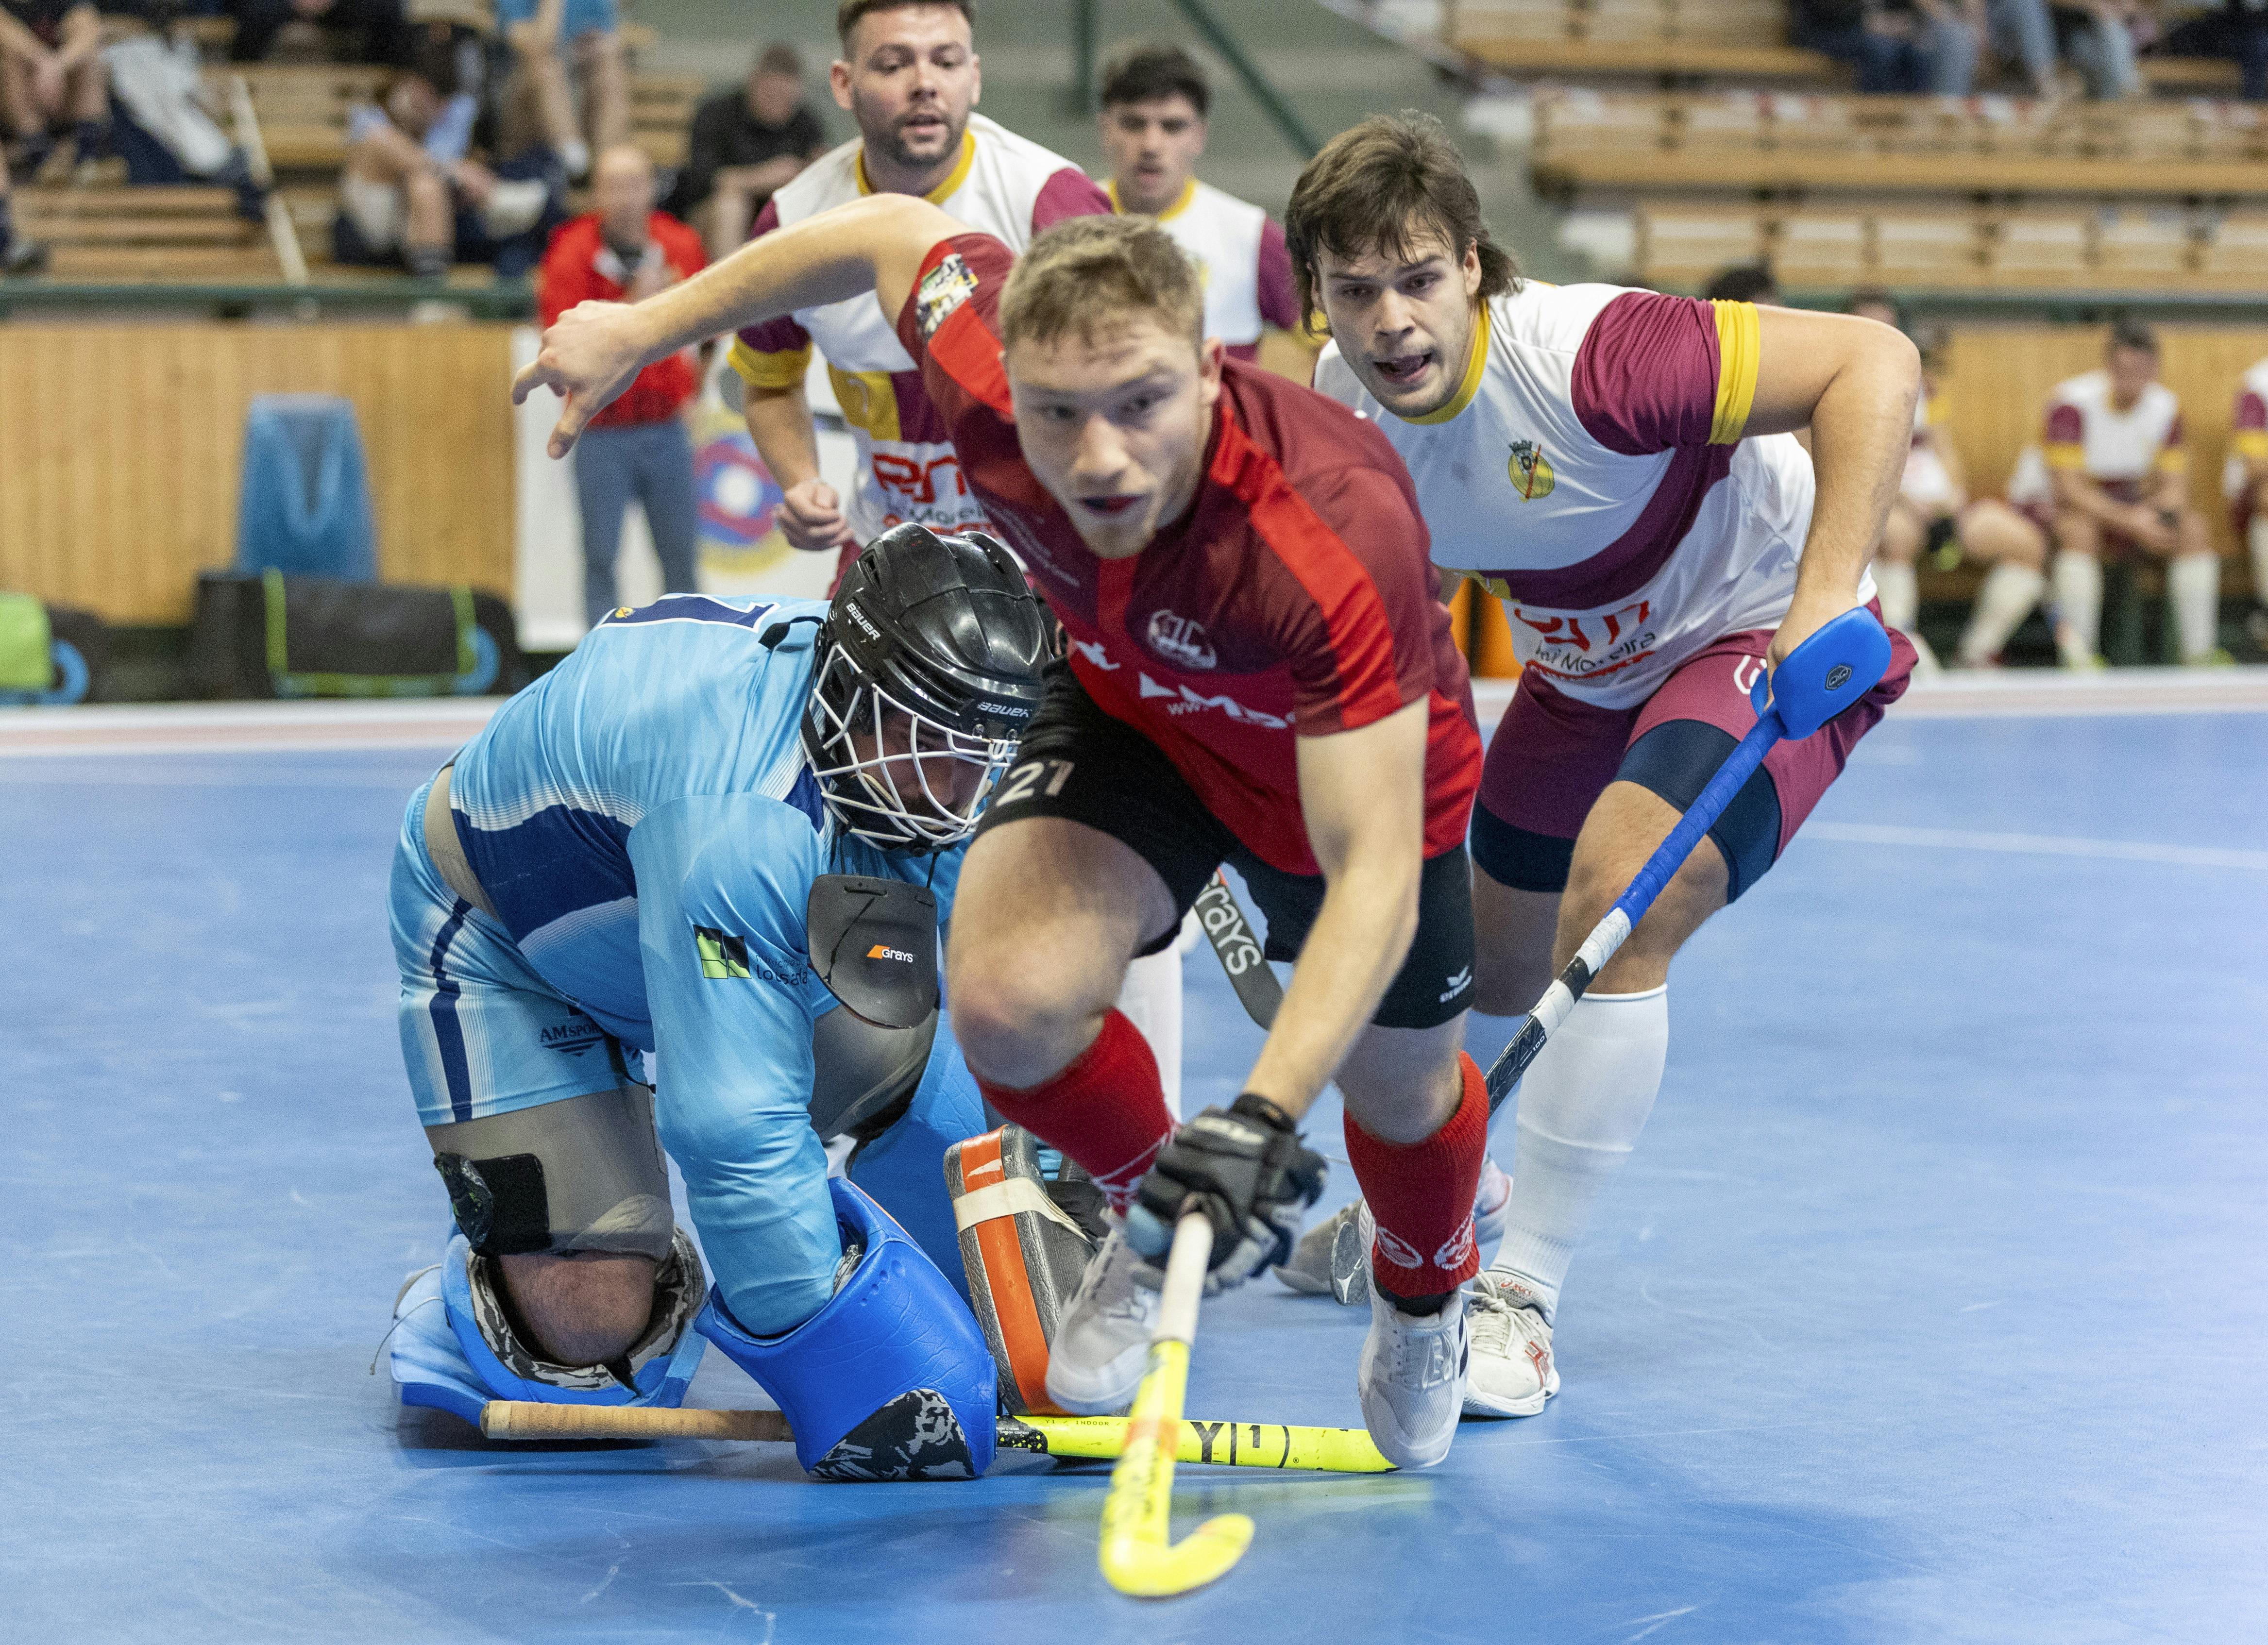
{"points": [[1247, 1170]]}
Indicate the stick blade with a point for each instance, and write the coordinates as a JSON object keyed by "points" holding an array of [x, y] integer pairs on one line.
{"points": [[1159, 1570]]}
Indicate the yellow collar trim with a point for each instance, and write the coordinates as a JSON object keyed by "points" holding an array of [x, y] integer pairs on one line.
{"points": [[1475, 364], [945, 190], [1181, 204]]}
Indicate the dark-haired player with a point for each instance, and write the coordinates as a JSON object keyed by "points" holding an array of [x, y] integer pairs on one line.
{"points": [[1156, 105], [1260, 669], [1617, 467]]}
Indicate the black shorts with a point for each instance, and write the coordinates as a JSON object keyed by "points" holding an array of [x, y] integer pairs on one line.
{"points": [[1078, 762]]}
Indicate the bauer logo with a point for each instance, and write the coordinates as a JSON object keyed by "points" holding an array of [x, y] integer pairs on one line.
{"points": [[881, 951], [1838, 676], [1180, 640], [943, 289]]}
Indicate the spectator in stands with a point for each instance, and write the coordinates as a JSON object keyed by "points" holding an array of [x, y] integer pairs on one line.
{"points": [[2023, 31], [2245, 479], [545, 36], [2235, 29], [1934, 514], [2099, 38], [1744, 282], [1155, 101], [637, 447], [2114, 445], [52, 79], [1898, 46], [744, 143], [409, 191], [357, 30], [17, 256]]}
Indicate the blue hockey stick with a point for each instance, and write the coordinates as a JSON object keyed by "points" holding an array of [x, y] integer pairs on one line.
{"points": [[1839, 664]]}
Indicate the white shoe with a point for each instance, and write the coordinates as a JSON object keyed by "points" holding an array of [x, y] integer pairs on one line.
{"points": [[1412, 1380], [1513, 1373], [1333, 1258], [1095, 1363]]}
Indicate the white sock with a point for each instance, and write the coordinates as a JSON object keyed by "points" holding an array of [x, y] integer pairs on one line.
{"points": [[1582, 1108], [2193, 583], [574, 155], [1900, 588], [2257, 537], [2077, 580], [1151, 998], [2010, 594]]}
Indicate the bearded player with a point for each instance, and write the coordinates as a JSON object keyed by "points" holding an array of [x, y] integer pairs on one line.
{"points": [[1620, 468], [1260, 670]]}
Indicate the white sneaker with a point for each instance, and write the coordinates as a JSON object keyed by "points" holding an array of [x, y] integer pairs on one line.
{"points": [[1412, 1380], [1333, 1258], [1513, 1373], [1095, 1363]]}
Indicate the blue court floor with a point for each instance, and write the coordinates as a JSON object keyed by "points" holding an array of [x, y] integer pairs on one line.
{"points": [[1933, 1307]]}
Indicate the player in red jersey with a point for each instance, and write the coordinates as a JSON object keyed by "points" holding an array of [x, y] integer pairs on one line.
{"points": [[1260, 670]]}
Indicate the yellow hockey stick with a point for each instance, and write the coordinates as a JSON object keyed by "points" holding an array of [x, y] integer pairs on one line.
{"points": [[1224, 1443], [1137, 1558]]}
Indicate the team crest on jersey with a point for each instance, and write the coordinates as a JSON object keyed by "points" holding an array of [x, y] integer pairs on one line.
{"points": [[1530, 472], [1180, 640], [943, 289]]}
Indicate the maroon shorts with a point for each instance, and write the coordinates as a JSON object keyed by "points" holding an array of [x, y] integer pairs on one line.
{"points": [[1552, 757]]}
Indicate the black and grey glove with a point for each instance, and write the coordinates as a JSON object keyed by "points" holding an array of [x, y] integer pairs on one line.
{"points": [[1246, 1168]]}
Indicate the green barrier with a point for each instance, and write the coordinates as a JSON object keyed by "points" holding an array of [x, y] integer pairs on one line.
{"points": [[26, 661]]}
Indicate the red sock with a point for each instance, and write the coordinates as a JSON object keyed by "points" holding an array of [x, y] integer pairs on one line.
{"points": [[1106, 1109], [1421, 1196]]}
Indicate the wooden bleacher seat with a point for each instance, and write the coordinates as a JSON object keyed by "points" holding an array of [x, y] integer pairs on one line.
{"points": [[160, 235], [2234, 252], [1929, 250], [1822, 249], [2200, 75], [1684, 245], [2036, 250], [1671, 40], [2144, 248]]}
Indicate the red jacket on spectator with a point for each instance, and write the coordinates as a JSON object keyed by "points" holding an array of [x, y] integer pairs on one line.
{"points": [[579, 267]]}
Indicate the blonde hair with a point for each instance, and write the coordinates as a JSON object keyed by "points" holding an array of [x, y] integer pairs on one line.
{"points": [[1085, 274]]}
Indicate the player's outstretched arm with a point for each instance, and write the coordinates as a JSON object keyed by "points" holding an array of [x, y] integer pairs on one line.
{"points": [[597, 349], [1362, 793], [1852, 382]]}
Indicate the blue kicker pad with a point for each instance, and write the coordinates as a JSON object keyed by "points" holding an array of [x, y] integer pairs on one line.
{"points": [[869, 1367], [903, 1169], [440, 1359]]}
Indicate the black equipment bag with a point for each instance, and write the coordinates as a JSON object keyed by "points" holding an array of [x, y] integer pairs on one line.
{"points": [[267, 634]]}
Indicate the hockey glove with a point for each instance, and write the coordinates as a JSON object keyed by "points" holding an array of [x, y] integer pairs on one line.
{"points": [[1247, 1170]]}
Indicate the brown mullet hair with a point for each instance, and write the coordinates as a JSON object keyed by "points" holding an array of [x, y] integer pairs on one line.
{"points": [[851, 13], [1086, 274], [1383, 187]]}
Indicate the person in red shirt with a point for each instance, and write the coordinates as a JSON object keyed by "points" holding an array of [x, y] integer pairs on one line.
{"points": [[1259, 671], [639, 447]]}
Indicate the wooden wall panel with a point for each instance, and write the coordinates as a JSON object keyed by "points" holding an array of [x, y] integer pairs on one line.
{"points": [[119, 450], [2000, 376]]}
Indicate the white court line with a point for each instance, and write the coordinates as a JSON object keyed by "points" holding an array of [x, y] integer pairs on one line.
{"points": [[176, 727], [2041, 844]]}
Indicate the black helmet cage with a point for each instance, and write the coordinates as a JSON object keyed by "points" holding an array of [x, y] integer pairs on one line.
{"points": [[881, 654]]}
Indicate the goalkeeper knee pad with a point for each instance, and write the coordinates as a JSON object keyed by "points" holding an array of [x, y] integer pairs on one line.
{"points": [[891, 1380]]}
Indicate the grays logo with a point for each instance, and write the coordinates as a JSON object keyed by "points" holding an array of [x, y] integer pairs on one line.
{"points": [[1838, 676], [1180, 640]]}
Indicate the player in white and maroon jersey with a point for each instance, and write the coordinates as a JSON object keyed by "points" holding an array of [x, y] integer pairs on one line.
{"points": [[2244, 478], [2114, 445], [1155, 103], [1619, 467], [909, 76]]}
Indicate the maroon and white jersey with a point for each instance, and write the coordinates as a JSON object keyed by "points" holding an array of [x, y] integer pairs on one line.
{"points": [[1293, 598], [1592, 471], [1005, 185], [1241, 256], [2118, 448], [2248, 433]]}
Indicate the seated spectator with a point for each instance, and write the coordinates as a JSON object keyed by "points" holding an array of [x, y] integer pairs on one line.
{"points": [[357, 30], [410, 192], [2114, 445], [1895, 45], [638, 446], [545, 37], [746, 143], [17, 256], [2023, 33], [52, 81], [2099, 38], [2244, 477], [2236, 30], [1934, 512]]}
